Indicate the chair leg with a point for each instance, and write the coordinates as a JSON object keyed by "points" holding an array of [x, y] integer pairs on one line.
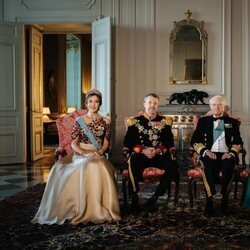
{"points": [[169, 190], [191, 181], [124, 190], [177, 187], [244, 184], [195, 189], [235, 189]]}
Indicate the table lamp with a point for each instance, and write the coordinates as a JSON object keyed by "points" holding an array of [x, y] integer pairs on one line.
{"points": [[70, 110], [46, 112]]}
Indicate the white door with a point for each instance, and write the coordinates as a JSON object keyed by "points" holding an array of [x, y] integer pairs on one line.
{"points": [[12, 95], [36, 94], [101, 62]]}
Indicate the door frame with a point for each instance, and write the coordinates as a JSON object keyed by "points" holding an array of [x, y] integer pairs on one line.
{"points": [[44, 31]]}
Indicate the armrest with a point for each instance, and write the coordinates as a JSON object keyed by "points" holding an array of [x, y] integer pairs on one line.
{"points": [[126, 153], [243, 157], [60, 152], [172, 152], [194, 158]]}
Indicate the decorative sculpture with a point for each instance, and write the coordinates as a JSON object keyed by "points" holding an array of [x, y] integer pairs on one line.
{"points": [[192, 97]]}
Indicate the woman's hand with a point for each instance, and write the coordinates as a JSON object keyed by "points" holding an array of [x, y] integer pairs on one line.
{"points": [[93, 154]]}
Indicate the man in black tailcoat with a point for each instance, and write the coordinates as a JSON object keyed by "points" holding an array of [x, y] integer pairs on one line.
{"points": [[217, 141], [149, 143]]}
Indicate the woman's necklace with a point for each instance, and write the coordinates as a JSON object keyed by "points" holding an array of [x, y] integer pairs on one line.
{"points": [[92, 117]]}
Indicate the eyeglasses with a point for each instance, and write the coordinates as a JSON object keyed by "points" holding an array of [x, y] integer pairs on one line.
{"points": [[216, 104]]}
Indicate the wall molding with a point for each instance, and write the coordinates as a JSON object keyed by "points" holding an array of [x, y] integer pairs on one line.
{"points": [[226, 45], [221, 84], [246, 54], [246, 75], [58, 4], [47, 11]]}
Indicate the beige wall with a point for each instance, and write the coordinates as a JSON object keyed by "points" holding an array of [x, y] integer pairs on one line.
{"points": [[142, 54], [141, 48]]}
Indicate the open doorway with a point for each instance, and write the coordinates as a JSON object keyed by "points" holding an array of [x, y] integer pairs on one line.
{"points": [[67, 73], [66, 66]]}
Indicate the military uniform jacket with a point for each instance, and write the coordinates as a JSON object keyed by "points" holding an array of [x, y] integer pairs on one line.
{"points": [[149, 133], [202, 138]]}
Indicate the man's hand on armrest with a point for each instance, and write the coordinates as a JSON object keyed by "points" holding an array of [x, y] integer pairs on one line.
{"points": [[173, 153]]}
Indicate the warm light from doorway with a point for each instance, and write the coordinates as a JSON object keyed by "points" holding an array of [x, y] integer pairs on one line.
{"points": [[46, 112], [71, 109]]}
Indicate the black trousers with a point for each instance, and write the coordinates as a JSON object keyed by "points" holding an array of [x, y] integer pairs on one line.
{"points": [[138, 162], [212, 169]]}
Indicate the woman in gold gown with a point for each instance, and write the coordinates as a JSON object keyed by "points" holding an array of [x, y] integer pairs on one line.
{"points": [[82, 187]]}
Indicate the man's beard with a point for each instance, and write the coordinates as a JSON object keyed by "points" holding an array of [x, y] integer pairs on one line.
{"points": [[151, 111]]}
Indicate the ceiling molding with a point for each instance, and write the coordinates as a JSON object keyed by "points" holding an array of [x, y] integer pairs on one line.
{"points": [[58, 4]]}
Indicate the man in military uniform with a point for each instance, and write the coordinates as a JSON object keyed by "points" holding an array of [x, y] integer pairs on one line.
{"points": [[217, 141], [149, 143]]}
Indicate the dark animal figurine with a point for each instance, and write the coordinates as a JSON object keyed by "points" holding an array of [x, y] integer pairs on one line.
{"points": [[192, 97], [198, 96], [178, 97]]}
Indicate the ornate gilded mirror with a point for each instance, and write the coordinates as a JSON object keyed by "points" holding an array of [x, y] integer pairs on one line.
{"points": [[188, 52]]}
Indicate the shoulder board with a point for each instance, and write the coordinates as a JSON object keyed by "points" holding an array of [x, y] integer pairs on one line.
{"points": [[168, 120], [131, 121]]}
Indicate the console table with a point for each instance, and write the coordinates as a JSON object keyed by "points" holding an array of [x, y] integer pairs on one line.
{"points": [[50, 132]]}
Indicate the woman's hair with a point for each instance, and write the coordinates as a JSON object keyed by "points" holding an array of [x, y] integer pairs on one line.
{"points": [[92, 93]]}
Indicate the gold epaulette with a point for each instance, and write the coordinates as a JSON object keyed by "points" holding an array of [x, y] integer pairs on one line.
{"points": [[198, 147], [131, 121], [168, 120], [236, 148]]}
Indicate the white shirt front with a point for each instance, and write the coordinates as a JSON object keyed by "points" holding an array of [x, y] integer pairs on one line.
{"points": [[220, 144]]}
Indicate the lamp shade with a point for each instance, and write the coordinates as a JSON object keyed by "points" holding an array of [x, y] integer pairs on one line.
{"points": [[46, 110], [71, 109]]}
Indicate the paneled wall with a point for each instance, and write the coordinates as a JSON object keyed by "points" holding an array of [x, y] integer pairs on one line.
{"points": [[141, 48], [142, 54], [12, 122], [241, 67]]}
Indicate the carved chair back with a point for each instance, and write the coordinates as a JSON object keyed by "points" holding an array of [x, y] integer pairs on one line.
{"points": [[64, 127]]}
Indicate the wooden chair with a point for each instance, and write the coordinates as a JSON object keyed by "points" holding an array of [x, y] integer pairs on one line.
{"points": [[195, 172], [64, 127], [150, 175]]}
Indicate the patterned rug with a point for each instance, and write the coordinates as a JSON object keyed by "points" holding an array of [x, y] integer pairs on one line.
{"points": [[169, 227]]}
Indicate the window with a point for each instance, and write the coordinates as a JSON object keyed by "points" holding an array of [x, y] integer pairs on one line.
{"points": [[73, 71]]}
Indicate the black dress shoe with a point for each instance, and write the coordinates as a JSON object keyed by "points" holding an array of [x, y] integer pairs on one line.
{"points": [[151, 202]]}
